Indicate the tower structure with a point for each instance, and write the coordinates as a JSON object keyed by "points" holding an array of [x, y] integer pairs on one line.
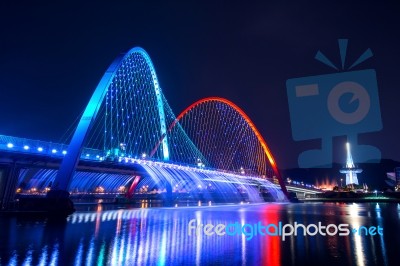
{"points": [[350, 169]]}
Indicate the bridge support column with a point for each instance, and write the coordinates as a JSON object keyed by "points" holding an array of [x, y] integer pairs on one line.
{"points": [[168, 200], [8, 185], [58, 202], [131, 190]]}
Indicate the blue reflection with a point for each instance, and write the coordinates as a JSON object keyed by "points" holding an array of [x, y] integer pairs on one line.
{"points": [[43, 257], [159, 236], [78, 257]]}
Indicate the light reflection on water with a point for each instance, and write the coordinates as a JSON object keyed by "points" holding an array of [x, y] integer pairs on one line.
{"points": [[159, 236]]}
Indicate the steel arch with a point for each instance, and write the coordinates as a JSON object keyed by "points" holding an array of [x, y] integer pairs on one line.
{"points": [[262, 141], [71, 159]]}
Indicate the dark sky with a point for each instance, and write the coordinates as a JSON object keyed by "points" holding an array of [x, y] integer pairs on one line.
{"points": [[52, 56]]}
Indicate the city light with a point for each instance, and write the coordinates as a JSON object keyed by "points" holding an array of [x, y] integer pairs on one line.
{"points": [[99, 189], [53, 151], [40, 149], [26, 147], [10, 145]]}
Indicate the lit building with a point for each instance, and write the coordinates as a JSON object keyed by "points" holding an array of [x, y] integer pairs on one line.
{"points": [[350, 170], [394, 179]]}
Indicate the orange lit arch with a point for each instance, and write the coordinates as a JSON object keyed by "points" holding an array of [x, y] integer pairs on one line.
{"points": [[248, 121]]}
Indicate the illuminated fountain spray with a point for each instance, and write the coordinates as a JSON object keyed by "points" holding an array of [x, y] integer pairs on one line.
{"points": [[350, 170], [185, 182], [210, 185]]}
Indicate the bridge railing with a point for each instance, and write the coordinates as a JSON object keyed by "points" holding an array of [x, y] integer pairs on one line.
{"points": [[57, 150], [45, 148]]}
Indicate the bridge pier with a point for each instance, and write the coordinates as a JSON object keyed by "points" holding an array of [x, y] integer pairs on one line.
{"points": [[131, 190], [168, 200], [56, 202], [8, 184]]}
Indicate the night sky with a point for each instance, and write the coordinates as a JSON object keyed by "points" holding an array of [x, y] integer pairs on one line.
{"points": [[52, 57]]}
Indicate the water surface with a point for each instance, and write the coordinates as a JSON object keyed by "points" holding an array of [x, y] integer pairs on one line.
{"points": [[160, 236]]}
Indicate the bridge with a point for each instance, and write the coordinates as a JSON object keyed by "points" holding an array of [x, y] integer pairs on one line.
{"points": [[128, 138]]}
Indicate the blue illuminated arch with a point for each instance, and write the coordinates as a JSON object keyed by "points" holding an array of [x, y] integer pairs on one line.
{"points": [[86, 122]]}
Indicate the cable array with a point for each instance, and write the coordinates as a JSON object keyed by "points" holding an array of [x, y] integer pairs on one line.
{"points": [[223, 134], [136, 121]]}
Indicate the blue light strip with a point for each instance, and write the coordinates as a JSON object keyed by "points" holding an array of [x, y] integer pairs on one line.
{"points": [[160, 104], [86, 122]]}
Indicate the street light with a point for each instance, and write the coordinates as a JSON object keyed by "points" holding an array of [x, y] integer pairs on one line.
{"points": [[122, 146], [242, 170]]}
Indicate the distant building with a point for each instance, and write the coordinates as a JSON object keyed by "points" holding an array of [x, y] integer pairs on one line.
{"points": [[394, 179]]}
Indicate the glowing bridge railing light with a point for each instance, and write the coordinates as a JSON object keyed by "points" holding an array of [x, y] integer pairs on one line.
{"points": [[206, 176], [48, 148], [16, 144]]}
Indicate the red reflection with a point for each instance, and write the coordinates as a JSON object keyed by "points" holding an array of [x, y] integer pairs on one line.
{"points": [[271, 244], [98, 219]]}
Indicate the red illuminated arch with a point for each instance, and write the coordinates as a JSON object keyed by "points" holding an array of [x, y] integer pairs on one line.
{"points": [[248, 121]]}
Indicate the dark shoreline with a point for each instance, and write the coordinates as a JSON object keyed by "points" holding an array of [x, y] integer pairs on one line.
{"points": [[351, 200]]}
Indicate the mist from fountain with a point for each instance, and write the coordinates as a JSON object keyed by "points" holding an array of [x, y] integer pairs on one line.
{"points": [[185, 183], [211, 185]]}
